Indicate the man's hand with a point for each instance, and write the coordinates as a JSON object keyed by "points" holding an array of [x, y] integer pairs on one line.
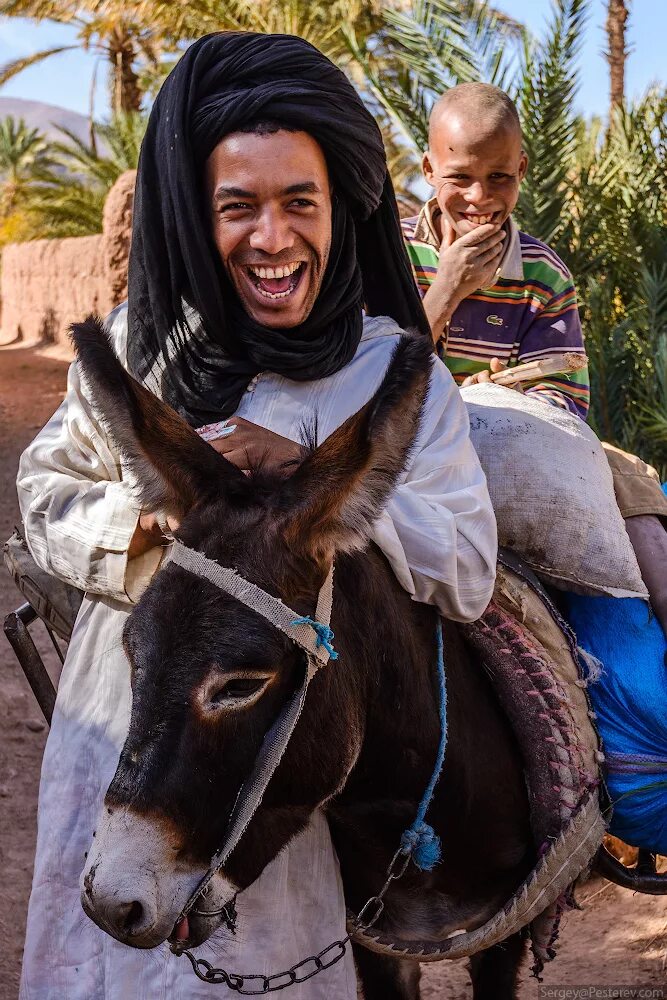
{"points": [[149, 533], [248, 446], [469, 263], [251, 445], [495, 365]]}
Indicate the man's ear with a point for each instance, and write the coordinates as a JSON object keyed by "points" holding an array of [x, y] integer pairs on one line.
{"points": [[427, 168], [330, 503], [523, 165], [173, 467]]}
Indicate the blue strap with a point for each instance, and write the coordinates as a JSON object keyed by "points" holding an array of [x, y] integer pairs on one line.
{"points": [[421, 840], [324, 634]]}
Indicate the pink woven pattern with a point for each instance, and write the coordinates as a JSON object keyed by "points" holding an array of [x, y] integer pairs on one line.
{"points": [[538, 708]]}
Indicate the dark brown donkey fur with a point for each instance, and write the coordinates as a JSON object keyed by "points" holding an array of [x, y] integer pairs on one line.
{"points": [[365, 745]]}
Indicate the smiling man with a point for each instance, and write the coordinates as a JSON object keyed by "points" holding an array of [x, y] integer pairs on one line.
{"points": [[494, 296], [276, 267], [264, 223]]}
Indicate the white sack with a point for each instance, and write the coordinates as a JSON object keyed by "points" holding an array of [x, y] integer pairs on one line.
{"points": [[552, 491]]}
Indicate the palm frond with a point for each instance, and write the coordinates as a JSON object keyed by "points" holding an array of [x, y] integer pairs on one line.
{"points": [[11, 69], [549, 83], [67, 196]]}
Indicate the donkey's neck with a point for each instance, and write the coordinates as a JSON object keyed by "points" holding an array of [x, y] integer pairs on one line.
{"points": [[481, 787], [391, 648]]}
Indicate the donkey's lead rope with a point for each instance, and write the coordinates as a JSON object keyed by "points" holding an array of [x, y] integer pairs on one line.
{"points": [[421, 840]]}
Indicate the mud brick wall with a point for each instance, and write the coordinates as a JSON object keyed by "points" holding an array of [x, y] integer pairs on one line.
{"points": [[45, 285]]}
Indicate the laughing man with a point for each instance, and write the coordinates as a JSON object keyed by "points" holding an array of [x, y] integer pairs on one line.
{"points": [[264, 222]]}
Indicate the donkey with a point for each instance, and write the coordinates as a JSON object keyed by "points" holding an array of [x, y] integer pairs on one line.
{"points": [[209, 676]]}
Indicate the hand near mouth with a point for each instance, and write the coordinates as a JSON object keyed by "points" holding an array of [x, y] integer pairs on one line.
{"points": [[252, 446], [472, 260], [469, 263]]}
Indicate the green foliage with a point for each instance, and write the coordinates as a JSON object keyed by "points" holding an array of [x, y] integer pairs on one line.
{"points": [[547, 87], [23, 151], [66, 198], [423, 48], [599, 198], [629, 363]]}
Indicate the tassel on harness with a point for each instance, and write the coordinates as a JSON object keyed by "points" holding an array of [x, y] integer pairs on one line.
{"points": [[324, 634], [423, 844]]}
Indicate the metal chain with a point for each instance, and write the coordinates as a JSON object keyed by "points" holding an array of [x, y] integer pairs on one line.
{"points": [[369, 914]]}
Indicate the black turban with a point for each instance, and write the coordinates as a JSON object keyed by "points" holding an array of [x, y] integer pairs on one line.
{"points": [[225, 83]]}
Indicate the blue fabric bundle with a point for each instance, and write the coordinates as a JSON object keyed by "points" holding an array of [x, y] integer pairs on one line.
{"points": [[630, 700]]}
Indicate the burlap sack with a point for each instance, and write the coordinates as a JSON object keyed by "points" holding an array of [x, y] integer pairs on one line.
{"points": [[553, 493]]}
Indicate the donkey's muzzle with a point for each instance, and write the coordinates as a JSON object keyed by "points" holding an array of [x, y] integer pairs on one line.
{"points": [[137, 881], [124, 911], [133, 886]]}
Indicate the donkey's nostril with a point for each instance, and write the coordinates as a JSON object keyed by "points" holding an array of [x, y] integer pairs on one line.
{"points": [[134, 917]]}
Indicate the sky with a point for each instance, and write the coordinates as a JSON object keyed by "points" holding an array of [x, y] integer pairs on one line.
{"points": [[65, 79]]}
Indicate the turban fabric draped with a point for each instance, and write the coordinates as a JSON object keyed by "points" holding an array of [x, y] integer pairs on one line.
{"points": [[225, 83]]}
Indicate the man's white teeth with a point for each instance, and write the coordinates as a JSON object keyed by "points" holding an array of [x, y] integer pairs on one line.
{"points": [[276, 272], [481, 220], [274, 295]]}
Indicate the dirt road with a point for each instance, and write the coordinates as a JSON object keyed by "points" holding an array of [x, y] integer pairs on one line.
{"points": [[617, 939]]}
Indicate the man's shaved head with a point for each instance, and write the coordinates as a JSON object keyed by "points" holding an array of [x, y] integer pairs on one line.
{"points": [[484, 107], [475, 159]]}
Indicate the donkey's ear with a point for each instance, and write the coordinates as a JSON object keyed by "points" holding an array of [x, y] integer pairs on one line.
{"points": [[173, 467], [334, 497]]}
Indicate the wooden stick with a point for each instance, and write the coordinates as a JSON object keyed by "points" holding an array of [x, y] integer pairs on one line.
{"points": [[556, 364]]}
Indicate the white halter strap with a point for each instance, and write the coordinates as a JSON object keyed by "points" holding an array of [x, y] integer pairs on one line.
{"points": [[313, 635]]}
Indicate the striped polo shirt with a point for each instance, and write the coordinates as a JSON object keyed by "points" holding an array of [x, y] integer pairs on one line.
{"points": [[529, 313]]}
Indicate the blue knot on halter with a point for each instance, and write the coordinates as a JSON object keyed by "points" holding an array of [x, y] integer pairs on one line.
{"points": [[423, 844], [323, 632]]}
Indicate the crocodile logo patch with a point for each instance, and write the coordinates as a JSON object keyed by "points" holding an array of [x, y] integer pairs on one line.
{"points": [[494, 320]]}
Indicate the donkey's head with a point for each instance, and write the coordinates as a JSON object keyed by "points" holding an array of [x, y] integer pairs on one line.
{"points": [[209, 675]]}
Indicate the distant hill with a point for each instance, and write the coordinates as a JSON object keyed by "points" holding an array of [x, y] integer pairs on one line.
{"points": [[45, 117]]}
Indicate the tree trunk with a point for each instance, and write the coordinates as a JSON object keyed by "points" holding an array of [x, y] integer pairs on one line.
{"points": [[126, 92], [617, 15]]}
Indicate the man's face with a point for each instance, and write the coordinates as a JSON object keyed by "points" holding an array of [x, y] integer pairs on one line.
{"points": [[270, 204], [476, 177]]}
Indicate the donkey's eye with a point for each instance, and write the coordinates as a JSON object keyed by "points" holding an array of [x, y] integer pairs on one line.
{"points": [[236, 692], [240, 687]]}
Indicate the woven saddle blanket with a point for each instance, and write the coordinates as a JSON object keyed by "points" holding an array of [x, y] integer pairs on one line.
{"points": [[535, 666]]}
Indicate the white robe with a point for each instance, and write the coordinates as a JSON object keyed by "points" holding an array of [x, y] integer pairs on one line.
{"points": [[79, 510]]}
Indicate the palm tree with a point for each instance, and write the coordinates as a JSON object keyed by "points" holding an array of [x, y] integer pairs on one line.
{"points": [[141, 41], [617, 15], [424, 47], [126, 35], [318, 22], [22, 152], [321, 23], [67, 197]]}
